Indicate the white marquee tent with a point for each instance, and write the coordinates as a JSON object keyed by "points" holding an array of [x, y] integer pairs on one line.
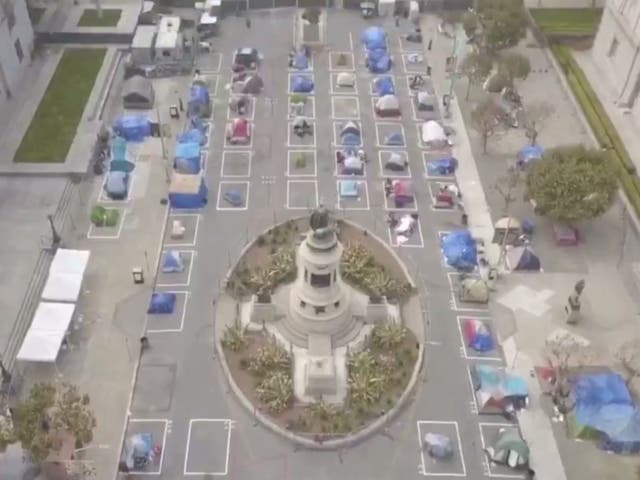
{"points": [[65, 275], [47, 331]]}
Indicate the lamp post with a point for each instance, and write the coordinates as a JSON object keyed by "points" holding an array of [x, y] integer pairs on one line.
{"points": [[55, 237]]}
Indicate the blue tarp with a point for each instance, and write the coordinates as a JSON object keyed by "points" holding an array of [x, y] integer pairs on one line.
{"points": [[197, 123], [300, 61], [235, 198], [459, 249], [443, 167], [187, 150], [374, 38], [132, 128], [137, 451], [301, 84], [121, 166], [172, 262], [190, 166], [528, 261], [190, 200], [199, 96], [384, 86], [378, 61], [529, 154], [350, 139], [119, 149], [163, 302], [395, 139], [478, 335], [497, 382], [192, 136], [116, 185]]}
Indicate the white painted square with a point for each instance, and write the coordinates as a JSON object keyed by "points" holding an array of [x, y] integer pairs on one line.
{"points": [[290, 77], [390, 207], [135, 425], [104, 198], [252, 110], [345, 108], [430, 467], [333, 62], [108, 233], [386, 128], [164, 279], [492, 470], [337, 127], [434, 188], [306, 142], [454, 279], [360, 203], [309, 107], [426, 157], [213, 82], [224, 186], [226, 426], [467, 352], [302, 189], [334, 89], [415, 241], [188, 219], [337, 173], [372, 88], [383, 156], [394, 119], [173, 322], [236, 164], [310, 170], [420, 67], [243, 146]]}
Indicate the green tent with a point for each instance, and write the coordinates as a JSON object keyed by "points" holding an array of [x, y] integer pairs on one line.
{"points": [[509, 449]]}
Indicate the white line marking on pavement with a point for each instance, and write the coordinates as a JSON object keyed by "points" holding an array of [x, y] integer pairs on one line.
{"points": [[182, 316], [420, 446], [485, 459], [164, 440], [228, 425]]}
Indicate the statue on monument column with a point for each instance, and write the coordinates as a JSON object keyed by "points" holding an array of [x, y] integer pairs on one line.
{"points": [[572, 309], [319, 221]]}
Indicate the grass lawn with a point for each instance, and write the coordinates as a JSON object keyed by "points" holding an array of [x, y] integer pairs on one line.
{"points": [[90, 18], [35, 14], [567, 21], [56, 120]]}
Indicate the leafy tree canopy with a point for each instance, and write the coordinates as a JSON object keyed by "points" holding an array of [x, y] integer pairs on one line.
{"points": [[504, 22], [514, 65], [476, 67], [572, 184]]}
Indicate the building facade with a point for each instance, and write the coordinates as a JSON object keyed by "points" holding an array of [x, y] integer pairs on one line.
{"points": [[616, 49], [16, 46]]}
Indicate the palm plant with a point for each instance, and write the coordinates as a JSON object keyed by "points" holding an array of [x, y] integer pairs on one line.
{"points": [[268, 359], [275, 391], [234, 337], [323, 411], [388, 337]]}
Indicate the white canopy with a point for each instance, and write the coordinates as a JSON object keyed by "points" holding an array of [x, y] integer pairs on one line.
{"points": [[65, 275], [432, 132], [46, 333], [388, 102]]}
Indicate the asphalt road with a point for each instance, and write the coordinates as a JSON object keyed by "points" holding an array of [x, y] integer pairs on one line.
{"points": [[180, 394]]}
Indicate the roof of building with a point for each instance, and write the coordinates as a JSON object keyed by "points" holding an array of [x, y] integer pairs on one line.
{"points": [[169, 24], [144, 36], [167, 39]]}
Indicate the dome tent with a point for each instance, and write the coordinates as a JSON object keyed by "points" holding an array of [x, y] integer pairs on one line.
{"points": [[162, 303], [172, 262], [374, 38], [378, 61], [346, 79], [433, 135], [138, 93], [388, 106], [384, 86], [302, 84], [459, 250]]}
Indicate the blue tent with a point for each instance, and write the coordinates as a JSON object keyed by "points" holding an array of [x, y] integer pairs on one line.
{"points": [[378, 61], [172, 262], [459, 249], [300, 61], [374, 38], [163, 302], [121, 166], [198, 99], [132, 128], [528, 261], [188, 158], [192, 136], [235, 198], [529, 154], [188, 192], [395, 139], [116, 185], [119, 149], [350, 139], [478, 335], [197, 123], [442, 167], [384, 86], [301, 84]]}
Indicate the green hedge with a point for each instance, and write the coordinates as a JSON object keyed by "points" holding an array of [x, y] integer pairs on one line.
{"points": [[601, 124], [567, 21]]}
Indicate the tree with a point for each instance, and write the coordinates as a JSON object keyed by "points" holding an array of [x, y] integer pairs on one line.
{"points": [[47, 412], [485, 119], [476, 67], [470, 24], [504, 23], [514, 65], [534, 115], [572, 184]]}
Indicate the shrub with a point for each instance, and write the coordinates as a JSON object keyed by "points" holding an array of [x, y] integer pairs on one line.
{"points": [[497, 82], [104, 217], [301, 161], [275, 391], [297, 98], [234, 337], [269, 359]]}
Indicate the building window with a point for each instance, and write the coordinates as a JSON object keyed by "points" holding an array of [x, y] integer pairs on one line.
{"points": [[337, 304], [320, 310], [19, 51], [613, 47], [303, 304], [320, 281]]}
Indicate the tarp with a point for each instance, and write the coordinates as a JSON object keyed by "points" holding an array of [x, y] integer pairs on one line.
{"points": [[346, 79], [172, 262], [374, 38], [496, 388], [349, 188], [442, 167], [133, 128], [523, 258], [384, 86], [116, 185], [301, 84], [188, 158], [121, 166], [65, 275], [529, 154], [187, 150], [352, 166], [192, 136], [162, 303], [477, 335], [187, 192], [433, 134], [119, 149], [46, 333], [197, 123], [459, 250], [300, 61], [138, 449], [199, 101], [378, 61]]}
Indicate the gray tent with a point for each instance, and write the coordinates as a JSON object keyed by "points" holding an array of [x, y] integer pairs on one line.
{"points": [[138, 93], [252, 85]]}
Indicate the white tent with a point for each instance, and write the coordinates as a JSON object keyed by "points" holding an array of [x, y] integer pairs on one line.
{"points": [[345, 79], [46, 333], [388, 105], [65, 275], [433, 134]]}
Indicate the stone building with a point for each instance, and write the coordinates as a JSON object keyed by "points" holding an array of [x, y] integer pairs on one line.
{"points": [[16, 44]]}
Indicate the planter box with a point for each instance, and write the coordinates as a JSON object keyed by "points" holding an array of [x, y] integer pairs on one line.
{"points": [[262, 312], [377, 312]]}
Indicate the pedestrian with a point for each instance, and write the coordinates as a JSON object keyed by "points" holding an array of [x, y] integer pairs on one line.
{"points": [[144, 343], [430, 44], [181, 104], [247, 22], [464, 220], [428, 70]]}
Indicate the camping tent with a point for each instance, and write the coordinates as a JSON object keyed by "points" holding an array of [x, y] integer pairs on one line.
{"points": [[352, 165], [433, 135], [388, 106], [509, 449], [162, 302], [378, 61], [65, 275], [199, 101], [374, 38], [402, 193], [477, 335], [187, 191], [426, 102], [116, 185], [172, 262], [300, 61], [121, 161], [529, 154], [523, 258], [349, 188], [384, 86], [47, 332], [138, 93], [496, 391], [302, 84], [438, 446], [252, 85], [192, 135], [394, 139], [346, 79], [350, 134], [239, 131], [396, 163], [133, 128], [188, 158], [442, 167], [459, 250]]}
